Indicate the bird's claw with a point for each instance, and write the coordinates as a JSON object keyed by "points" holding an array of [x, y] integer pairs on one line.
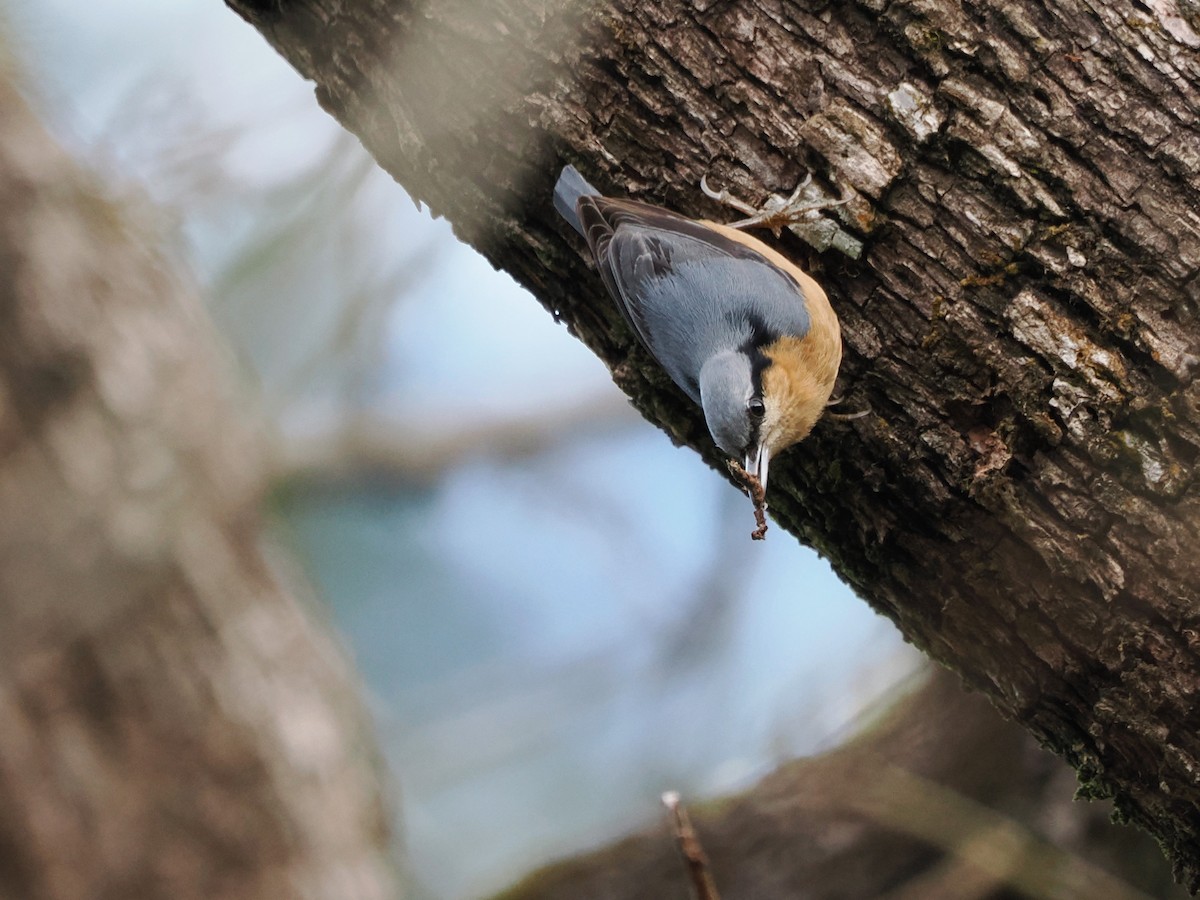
{"points": [[797, 212], [844, 417], [848, 417], [727, 199], [776, 212]]}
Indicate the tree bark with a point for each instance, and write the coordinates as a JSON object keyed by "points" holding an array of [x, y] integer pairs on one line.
{"points": [[172, 723], [1022, 499]]}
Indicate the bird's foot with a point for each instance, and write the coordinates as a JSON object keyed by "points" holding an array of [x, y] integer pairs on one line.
{"points": [[797, 213], [777, 212]]}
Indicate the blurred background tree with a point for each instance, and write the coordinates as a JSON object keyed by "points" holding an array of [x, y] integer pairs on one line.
{"points": [[173, 723]]}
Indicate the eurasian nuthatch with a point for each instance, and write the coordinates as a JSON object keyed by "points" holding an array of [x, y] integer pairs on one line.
{"points": [[746, 334]]}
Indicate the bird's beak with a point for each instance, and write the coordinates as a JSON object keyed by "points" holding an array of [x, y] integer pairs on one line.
{"points": [[756, 463]]}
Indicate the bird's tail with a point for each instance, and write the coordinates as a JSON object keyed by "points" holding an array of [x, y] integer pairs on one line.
{"points": [[571, 186]]}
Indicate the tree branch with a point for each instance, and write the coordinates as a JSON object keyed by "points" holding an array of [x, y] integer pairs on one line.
{"points": [[926, 804], [381, 447]]}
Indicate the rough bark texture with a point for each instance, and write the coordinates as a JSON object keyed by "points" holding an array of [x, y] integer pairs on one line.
{"points": [[1022, 500], [171, 723], [923, 806]]}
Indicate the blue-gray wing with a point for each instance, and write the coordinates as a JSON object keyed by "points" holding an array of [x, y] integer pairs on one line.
{"points": [[688, 291]]}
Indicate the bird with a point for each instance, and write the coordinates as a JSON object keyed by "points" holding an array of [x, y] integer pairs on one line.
{"points": [[750, 337]]}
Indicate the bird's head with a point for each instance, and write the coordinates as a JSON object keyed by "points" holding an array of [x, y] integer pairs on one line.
{"points": [[756, 407]]}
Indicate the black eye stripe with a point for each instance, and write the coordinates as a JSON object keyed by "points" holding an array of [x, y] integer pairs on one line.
{"points": [[758, 364]]}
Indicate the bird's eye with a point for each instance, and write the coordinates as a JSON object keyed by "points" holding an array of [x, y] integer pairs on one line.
{"points": [[756, 408]]}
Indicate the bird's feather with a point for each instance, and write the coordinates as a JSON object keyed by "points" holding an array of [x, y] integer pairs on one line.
{"points": [[567, 191], [688, 290]]}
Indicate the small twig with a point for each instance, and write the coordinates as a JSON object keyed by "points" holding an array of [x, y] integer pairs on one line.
{"points": [[703, 887], [754, 488]]}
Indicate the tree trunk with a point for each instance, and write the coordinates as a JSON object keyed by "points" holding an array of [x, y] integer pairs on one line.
{"points": [[1022, 499], [172, 724]]}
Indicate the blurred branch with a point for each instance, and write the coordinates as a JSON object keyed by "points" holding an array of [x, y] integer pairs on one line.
{"points": [[370, 445], [313, 200], [309, 290], [978, 840], [358, 341], [929, 797]]}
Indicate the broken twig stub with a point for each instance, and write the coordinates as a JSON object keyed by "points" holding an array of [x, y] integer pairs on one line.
{"points": [[694, 857]]}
